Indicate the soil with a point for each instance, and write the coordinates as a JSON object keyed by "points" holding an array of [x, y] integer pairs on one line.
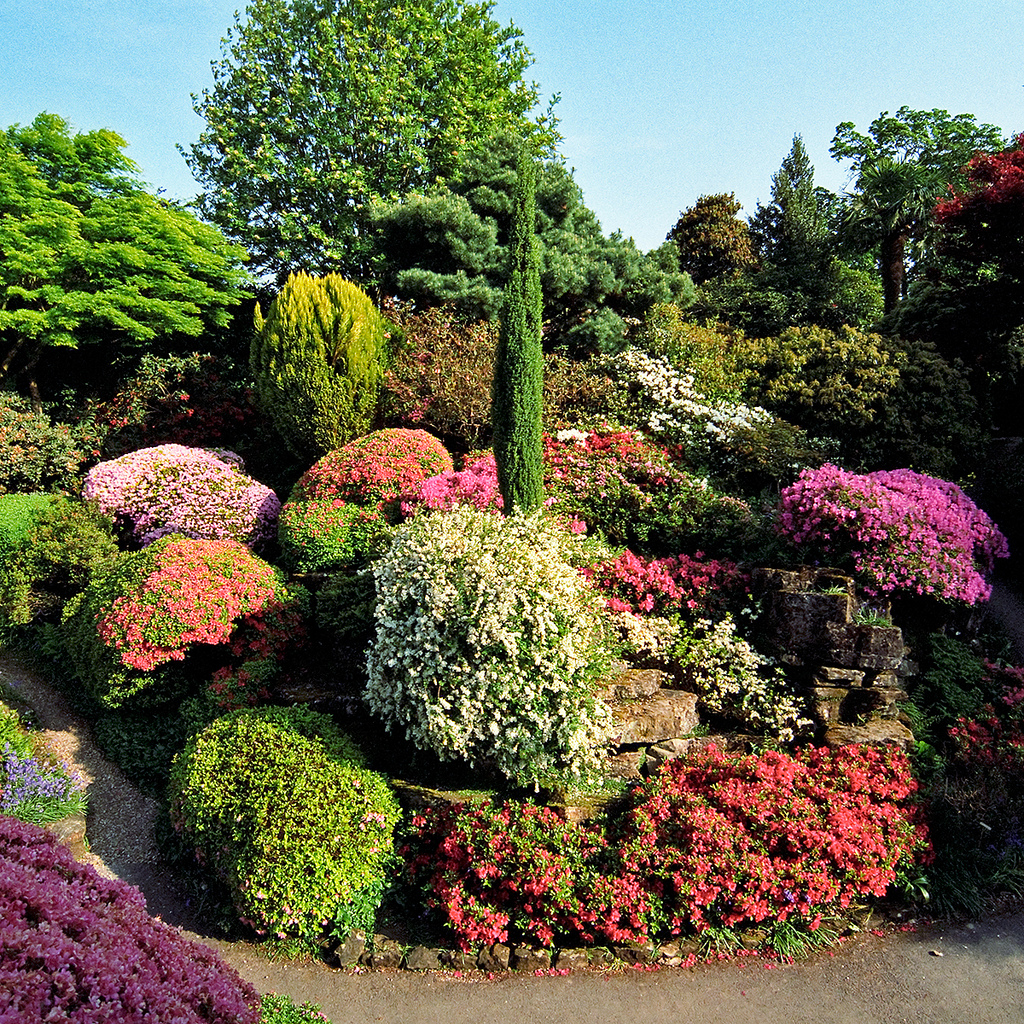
{"points": [[928, 973]]}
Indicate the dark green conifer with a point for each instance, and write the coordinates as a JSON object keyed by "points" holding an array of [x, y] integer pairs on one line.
{"points": [[517, 399]]}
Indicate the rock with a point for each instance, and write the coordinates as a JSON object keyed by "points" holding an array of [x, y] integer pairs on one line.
{"points": [[753, 939], [458, 960], [829, 675], [669, 750], [572, 959], [526, 958], [494, 958], [350, 952], [69, 830], [795, 623], [667, 714], [385, 953], [636, 684], [422, 958], [869, 647], [624, 764], [878, 733], [636, 952], [600, 956]]}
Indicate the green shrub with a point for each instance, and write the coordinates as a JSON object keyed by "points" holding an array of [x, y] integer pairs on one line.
{"points": [[487, 646], [276, 1009], [321, 536], [65, 542], [18, 513], [35, 454], [275, 802], [318, 360]]}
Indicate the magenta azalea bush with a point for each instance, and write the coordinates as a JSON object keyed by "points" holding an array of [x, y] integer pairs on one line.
{"points": [[80, 948], [191, 491], [318, 536], [901, 531], [374, 470], [154, 606], [475, 484]]}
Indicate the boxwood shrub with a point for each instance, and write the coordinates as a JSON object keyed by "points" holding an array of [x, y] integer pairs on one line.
{"points": [[276, 802], [81, 948], [319, 536]]}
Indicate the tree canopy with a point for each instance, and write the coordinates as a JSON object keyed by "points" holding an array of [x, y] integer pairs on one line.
{"points": [[87, 256], [322, 107], [711, 239]]}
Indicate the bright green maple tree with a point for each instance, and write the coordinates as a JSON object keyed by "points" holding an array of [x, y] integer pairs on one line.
{"points": [[88, 257], [322, 107]]}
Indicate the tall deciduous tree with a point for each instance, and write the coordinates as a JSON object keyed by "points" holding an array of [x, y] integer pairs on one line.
{"points": [[321, 107], [900, 169], [518, 399], [87, 256], [712, 240]]}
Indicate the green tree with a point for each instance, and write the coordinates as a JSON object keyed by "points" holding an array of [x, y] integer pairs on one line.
{"points": [[518, 398], [449, 244], [318, 360], [88, 257], [900, 169], [711, 239], [321, 107]]}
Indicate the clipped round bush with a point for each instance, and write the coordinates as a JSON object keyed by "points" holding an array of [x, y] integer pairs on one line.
{"points": [[318, 536], [173, 489], [150, 608], [374, 470], [488, 643], [276, 802], [80, 948]]}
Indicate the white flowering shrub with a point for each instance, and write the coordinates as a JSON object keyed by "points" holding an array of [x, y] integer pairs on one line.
{"points": [[734, 680], [488, 643]]}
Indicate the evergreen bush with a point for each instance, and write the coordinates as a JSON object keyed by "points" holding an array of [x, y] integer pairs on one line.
{"points": [[321, 536], [276, 803], [36, 454], [318, 361]]}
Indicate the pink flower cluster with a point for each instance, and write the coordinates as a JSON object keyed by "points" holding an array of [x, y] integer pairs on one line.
{"points": [[374, 470], [475, 484], [190, 592], [680, 584], [191, 491], [901, 530]]}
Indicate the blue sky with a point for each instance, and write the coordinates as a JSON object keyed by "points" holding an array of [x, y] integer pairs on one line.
{"points": [[662, 100]]}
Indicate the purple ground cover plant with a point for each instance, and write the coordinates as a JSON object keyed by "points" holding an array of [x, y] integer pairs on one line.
{"points": [[901, 531], [32, 790], [81, 949], [173, 489]]}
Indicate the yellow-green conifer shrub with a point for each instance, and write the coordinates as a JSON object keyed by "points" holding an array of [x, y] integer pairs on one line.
{"points": [[318, 359]]}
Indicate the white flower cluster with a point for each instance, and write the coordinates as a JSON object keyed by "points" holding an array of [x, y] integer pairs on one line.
{"points": [[488, 644], [671, 405], [733, 679]]}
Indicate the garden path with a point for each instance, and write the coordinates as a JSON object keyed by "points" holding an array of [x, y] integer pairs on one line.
{"points": [[936, 975]]}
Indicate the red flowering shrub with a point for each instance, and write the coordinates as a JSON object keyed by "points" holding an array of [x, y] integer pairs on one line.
{"points": [[712, 840], [152, 607], [374, 470], [720, 840], [80, 948], [668, 586]]}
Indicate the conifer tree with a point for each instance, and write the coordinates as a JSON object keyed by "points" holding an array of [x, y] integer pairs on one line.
{"points": [[517, 399]]}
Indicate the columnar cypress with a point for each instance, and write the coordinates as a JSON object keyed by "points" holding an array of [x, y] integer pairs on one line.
{"points": [[517, 398]]}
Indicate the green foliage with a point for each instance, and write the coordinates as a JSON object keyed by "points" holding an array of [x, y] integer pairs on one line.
{"points": [[91, 258], [450, 246], [359, 101], [18, 513], [322, 536], [488, 644], [951, 686], [517, 404], [143, 744], [318, 360], [712, 241], [275, 802], [63, 543], [35, 454], [276, 1009]]}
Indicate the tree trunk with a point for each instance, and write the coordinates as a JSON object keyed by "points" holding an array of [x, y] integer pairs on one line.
{"points": [[893, 267]]}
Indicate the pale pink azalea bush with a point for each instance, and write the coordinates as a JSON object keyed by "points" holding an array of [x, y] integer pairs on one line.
{"points": [[903, 532], [192, 491]]}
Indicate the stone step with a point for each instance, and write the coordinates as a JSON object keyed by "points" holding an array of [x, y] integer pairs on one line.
{"points": [[662, 716]]}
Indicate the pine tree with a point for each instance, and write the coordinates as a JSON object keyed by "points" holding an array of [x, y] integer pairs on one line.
{"points": [[517, 399]]}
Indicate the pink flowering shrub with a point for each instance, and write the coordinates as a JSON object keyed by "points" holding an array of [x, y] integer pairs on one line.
{"points": [[902, 531], [629, 490], [153, 607], [374, 470], [80, 948], [712, 840], [318, 536], [173, 489], [677, 585], [475, 484]]}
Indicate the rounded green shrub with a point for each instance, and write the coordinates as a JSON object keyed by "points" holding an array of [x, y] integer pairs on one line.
{"points": [[487, 646], [319, 359], [374, 470], [36, 454], [276, 802], [18, 513], [318, 536], [136, 621]]}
